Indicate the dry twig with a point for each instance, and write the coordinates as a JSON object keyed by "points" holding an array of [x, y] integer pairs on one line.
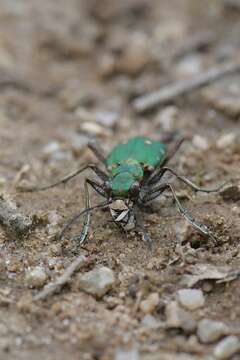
{"points": [[172, 91], [56, 286], [195, 42]]}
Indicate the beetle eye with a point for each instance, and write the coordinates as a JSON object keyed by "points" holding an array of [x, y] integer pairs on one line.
{"points": [[134, 189]]}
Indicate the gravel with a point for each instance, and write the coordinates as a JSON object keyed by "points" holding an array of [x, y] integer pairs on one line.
{"points": [[191, 299], [227, 347], [97, 282], [209, 330], [36, 277]]}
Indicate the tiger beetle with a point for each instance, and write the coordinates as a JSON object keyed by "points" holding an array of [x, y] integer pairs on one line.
{"points": [[132, 178]]}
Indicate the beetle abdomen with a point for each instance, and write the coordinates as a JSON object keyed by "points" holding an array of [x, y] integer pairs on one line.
{"points": [[147, 152]]}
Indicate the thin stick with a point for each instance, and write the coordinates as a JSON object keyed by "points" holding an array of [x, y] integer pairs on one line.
{"points": [[193, 43], [172, 91], [13, 220], [56, 286]]}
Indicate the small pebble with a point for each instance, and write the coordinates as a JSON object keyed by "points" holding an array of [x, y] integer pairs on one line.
{"points": [[97, 282], [176, 317], [189, 65], [51, 148], [167, 118], [78, 142], [149, 305], [226, 140], [230, 192], [190, 299], [207, 286], [104, 118], [209, 330], [200, 142], [55, 249], [53, 151], [149, 321], [53, 222], [13, 264], [107, 118], [227, 348], [36, 277], [127, 354], [135, 55], [92, 128]]}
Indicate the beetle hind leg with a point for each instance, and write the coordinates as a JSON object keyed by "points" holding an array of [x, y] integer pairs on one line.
{"points": [[97, 150]]}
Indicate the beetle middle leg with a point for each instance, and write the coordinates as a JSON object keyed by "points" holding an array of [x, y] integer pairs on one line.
{"points": [[156, 178], [152, 194]]}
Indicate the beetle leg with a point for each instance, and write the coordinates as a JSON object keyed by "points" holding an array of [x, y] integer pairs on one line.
{"points": [[203, 229], [82, 236], [173, 151], [97, 187], [97, 150], [102, 175], [188, 182]]}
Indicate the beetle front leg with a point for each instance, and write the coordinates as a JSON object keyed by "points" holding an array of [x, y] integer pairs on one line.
{"points": [[80, 239], [153, 180], [203, 229]]}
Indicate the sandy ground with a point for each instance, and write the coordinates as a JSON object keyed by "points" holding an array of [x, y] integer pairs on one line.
{"points": [[69, 71]]}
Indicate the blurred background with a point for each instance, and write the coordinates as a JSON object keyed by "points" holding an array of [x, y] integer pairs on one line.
{"points": [[71, 71]]}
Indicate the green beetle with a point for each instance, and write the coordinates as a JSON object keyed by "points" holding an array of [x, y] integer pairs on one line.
{"points": [[133, 177]]}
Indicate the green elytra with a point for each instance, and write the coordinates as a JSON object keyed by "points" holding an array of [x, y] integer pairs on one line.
{"points": [[129, 161], [132, 178]]}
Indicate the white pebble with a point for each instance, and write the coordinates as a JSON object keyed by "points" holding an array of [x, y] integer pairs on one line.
{"points": [[97, 282], [51, 148], [191, 299], [177, 317], [200, 142], [93, 128], [36, 277], [190, 65], [225, 140], [209, 330], [167, 118], [149, 305], [127, 354], [149, 321], [227, 348]]}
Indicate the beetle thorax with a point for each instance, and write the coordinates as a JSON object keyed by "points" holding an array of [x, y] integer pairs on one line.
{"points": [[125, 176]]}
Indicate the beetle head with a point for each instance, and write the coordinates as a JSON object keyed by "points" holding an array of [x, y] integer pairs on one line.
{"points": [[122, 214]]}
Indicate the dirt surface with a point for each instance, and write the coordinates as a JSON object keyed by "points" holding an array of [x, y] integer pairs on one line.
{"points": [[69, 72]]}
